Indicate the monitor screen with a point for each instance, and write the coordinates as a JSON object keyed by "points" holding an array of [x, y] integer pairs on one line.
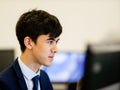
{"points": [[102, 67], [6, 58], [66, 67]]}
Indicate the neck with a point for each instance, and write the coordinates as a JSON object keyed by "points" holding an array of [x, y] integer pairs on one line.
{"points": [[27, 59]]}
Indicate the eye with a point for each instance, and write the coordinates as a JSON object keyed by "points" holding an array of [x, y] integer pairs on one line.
{"points": [[50, 41]]}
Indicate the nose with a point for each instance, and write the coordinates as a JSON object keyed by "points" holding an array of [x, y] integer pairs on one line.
{"points": [[54, 48]]}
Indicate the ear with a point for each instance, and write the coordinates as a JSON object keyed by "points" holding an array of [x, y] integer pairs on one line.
{"points": [[28, 42]]}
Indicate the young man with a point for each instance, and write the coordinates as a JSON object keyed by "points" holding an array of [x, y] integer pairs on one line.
{"points": [[38, 33]]}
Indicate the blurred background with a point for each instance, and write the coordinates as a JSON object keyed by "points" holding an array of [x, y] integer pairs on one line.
{"points": [[83, 21]]}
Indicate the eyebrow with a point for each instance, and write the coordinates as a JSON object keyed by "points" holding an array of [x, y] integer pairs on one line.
{"points": [[53, 39]]}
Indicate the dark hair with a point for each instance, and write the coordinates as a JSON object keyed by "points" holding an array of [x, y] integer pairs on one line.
{"points": [[37, 22]]}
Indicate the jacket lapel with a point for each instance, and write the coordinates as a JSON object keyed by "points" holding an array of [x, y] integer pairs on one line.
{"points": [[19, 75], [45, 83]]}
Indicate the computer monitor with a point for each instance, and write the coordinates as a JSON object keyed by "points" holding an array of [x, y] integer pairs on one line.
{"points": [[67, 67], [6, 58], [102, 67]]}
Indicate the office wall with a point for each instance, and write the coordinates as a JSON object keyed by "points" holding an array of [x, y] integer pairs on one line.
{"points": [[83, 21]]}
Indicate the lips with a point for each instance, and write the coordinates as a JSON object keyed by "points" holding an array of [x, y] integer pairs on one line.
{"points": [[51, 56]]}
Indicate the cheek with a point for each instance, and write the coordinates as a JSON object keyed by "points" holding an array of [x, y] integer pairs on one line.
{"points": [[45, 47], [39, 54], [42, 50]]}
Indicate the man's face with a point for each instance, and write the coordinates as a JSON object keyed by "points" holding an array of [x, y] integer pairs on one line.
{"points": [[44, 49]]}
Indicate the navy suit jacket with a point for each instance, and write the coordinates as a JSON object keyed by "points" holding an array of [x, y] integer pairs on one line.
{"points": [[12, 79]]}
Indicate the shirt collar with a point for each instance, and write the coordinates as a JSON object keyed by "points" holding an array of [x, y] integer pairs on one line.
{"points": [[27, 72]]}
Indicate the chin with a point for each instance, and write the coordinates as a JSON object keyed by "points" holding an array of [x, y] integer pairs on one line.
{"points": [[48, 64]]}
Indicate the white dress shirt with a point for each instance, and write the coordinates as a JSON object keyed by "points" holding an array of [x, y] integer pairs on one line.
{"points": [[28, 75]]}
